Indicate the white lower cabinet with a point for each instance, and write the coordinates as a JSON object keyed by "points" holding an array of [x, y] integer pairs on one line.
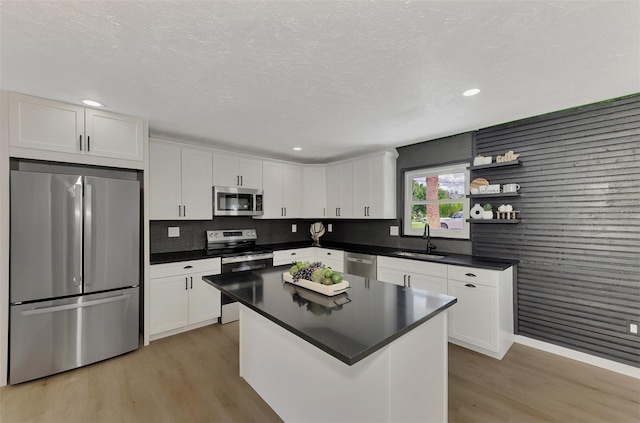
{"points": [[331, 258], [482, 319], [412, 273], [180, 300]]}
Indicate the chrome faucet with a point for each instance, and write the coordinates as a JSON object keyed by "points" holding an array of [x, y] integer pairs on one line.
{"points": [[427, 235]]}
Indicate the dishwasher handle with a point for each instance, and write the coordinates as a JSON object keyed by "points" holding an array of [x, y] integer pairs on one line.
{"points": [[357, 260]]}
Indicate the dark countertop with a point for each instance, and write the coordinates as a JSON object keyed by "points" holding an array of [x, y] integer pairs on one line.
{"points": [[453, 259], [371, 314]]}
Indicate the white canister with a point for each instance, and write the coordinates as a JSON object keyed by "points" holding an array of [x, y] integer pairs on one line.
{"points": [[487, 214]]}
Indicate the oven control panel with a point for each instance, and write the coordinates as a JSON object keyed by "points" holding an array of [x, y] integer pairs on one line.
{"points": [[232, 235]]}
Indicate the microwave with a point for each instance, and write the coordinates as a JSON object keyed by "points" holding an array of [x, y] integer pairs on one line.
{"points": [[232, 201]]}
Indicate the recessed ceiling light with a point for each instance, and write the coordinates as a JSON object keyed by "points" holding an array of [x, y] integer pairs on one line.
{"points": [[297, 148], [92, 103], [472, 91]]}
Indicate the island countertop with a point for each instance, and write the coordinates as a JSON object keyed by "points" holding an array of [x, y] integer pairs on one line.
{"points": [[349, 326]]}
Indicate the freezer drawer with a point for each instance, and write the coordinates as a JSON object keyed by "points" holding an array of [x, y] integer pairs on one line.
{"points": [[48, 337]]}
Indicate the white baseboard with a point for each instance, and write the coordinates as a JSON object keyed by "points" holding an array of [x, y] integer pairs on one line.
{"points": [[580, 356], [161, 335]]}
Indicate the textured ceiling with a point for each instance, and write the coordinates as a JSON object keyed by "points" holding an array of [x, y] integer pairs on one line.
{"points": [[334, 77]]}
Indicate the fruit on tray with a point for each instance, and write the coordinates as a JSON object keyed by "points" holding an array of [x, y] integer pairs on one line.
{"points": [[315, 272]]}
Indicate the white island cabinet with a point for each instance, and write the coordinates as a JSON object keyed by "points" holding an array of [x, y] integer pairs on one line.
{"points": [[180, 300], [179, 182], [50, 130], [412, 273], [482, 320]]}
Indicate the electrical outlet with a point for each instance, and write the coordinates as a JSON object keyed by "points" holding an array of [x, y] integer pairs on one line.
{"points": [[294, 228], [394, 231], [632, 328], [330, 227], [174, 231]]}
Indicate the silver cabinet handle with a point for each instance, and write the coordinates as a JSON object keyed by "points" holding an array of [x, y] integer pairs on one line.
{"points": [[470, 285], [409, 279], [324, 211], [285, 211], [44, 310], [404, 280], [471, 275]]}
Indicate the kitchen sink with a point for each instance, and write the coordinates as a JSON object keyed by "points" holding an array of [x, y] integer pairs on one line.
{"points": [[419, 255]]}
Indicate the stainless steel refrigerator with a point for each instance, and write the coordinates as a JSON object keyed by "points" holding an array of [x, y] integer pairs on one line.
{"points": [[74, 271]]}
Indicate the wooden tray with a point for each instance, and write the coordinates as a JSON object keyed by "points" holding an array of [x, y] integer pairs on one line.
{"points": [[328, 290]]}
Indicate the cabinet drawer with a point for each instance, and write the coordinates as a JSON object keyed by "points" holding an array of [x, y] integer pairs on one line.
{"points": [[322, 253], [474, 275], [289, 256], [211, 265], [413, 266]]}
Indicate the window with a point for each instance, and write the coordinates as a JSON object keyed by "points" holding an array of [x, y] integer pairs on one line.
{"points": [[437, 195]]}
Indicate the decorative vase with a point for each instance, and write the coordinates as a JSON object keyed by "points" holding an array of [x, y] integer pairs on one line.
{"points": [[476, 212], [487, 214]]}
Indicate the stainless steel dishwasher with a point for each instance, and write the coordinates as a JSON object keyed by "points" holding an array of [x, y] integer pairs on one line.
{"points": [[360, 264]]}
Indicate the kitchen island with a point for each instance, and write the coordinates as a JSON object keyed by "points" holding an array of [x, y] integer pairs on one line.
{"points": [[377, 352]]}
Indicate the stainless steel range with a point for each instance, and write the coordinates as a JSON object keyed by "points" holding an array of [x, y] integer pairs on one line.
{"points": [[239, 253]]}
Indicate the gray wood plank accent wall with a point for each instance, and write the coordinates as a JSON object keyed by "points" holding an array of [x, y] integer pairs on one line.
{"points": [[579, 239]]}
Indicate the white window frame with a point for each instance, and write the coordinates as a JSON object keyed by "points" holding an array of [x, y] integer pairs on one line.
{"points": [[408, 200]]}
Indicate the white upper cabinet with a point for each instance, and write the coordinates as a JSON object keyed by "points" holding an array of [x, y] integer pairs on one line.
{"points": [[283, 190], [315, 192], [37, 125], [374, 187], [112, 135], [340, 190], [236, 171], [180, 183]]}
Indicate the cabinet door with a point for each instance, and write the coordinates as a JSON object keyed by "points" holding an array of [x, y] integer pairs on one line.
{"points": [[164, 182], [45, 125], [474, 318], [393, 276], [428, 283], [292, 190], [204, 300], [197, 192], [225, 171], [333, 190], [250, 171], [112, 135], [272, 187], [168, 304], [346, 190], [361, 188], [377, 192], [314, 192]]}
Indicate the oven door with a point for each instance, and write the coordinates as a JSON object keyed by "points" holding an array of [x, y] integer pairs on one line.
{"points": [[240, 263], [231, 201]]}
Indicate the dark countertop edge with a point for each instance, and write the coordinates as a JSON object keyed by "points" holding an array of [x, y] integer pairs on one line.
{"points": [[489, 263], [345, 359]]}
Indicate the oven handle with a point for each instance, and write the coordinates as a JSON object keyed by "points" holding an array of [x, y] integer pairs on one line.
{"points": [[240, 259]]}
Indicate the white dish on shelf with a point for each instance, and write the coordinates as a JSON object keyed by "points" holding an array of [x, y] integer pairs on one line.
{"points": [[329, 290]]}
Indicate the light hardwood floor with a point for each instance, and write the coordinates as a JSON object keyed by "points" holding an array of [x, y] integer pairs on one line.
{"points": [[193, 377]]}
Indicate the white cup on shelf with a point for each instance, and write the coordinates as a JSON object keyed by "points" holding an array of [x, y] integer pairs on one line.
{"points": [[510, 187]]}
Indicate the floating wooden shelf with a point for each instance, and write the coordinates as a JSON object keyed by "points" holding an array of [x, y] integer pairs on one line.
{"points": [[499, 194], [494, 221], [496, 165]]}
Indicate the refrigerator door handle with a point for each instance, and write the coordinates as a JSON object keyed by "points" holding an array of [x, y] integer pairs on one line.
{"points": [[89, 251], [77, 244], [45, 310]]}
